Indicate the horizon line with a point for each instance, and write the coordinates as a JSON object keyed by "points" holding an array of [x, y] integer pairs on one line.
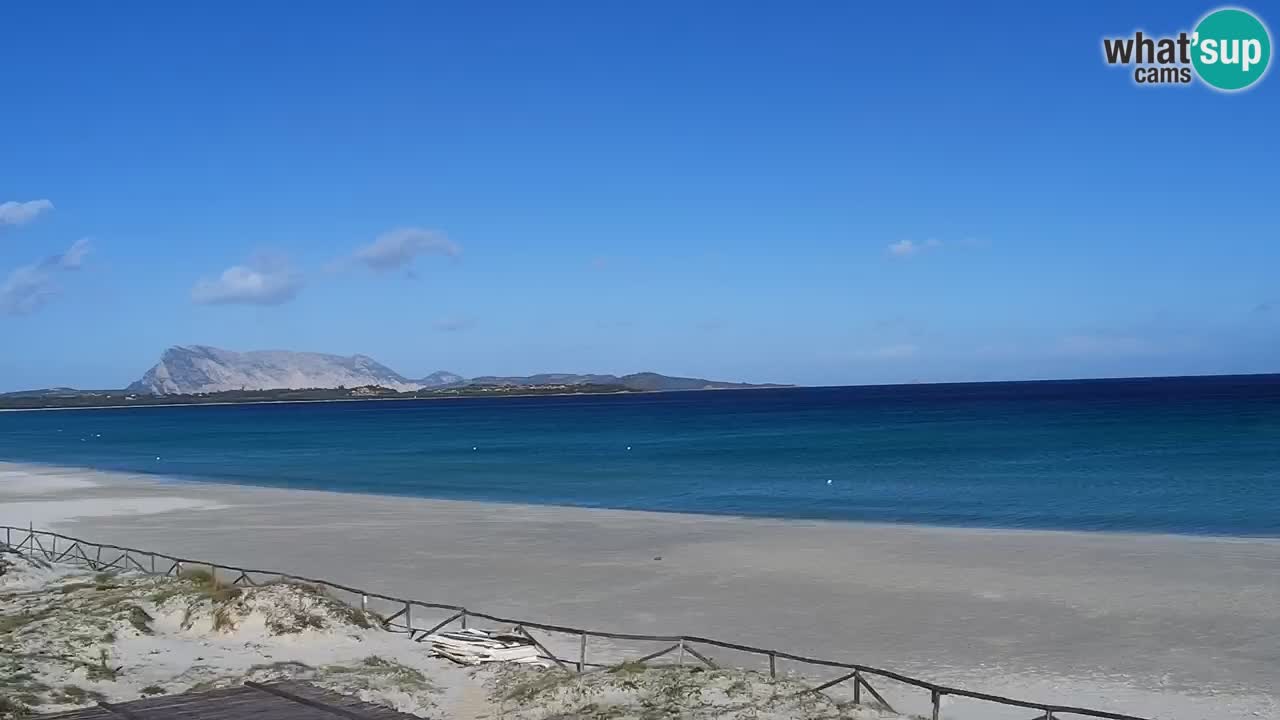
{"points": [[780, 386]]}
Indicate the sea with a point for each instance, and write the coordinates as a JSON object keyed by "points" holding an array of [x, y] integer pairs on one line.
{"points": [[1196, 455]]}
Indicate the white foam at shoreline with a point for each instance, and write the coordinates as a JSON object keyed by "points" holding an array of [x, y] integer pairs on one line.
{"points": [[61, 493], [28, 482], [45, 513]]}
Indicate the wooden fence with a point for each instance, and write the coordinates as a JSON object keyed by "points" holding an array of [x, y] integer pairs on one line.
{"points": [[401, 618]]}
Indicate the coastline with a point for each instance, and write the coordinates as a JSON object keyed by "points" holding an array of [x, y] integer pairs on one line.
{"points": [[331, 400], [399, 399], [1174, 626], [172, 481], [1016, 381]]}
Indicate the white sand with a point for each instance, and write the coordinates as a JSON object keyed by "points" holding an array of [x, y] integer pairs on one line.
{"points": [[1169, 627], [49, 513], [19, 486]]}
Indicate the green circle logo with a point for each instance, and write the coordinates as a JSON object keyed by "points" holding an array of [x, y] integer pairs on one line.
{"points": [[1231, 49]]}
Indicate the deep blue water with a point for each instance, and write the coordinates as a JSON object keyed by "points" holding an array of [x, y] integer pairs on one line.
{"points": [[1185, 455]]}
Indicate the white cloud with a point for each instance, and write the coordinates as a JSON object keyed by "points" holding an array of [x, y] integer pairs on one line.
{"points": [[265, 280], [903, 248], [73, 258], [18, 213], [30, 287], [906, 248], [26, 290], [398, 248]]}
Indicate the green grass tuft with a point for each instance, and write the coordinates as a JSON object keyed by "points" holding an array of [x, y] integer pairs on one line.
{"points": [[9, 623], [74, 587], [73, 695], [103, 670], [140, 620], [13, 708], [197, 576]]}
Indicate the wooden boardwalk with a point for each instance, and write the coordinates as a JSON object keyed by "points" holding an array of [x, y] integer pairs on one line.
{"points": [[277, 701]]}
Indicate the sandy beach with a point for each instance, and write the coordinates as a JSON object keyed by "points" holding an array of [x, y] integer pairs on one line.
{"points": [[1163, 626]]}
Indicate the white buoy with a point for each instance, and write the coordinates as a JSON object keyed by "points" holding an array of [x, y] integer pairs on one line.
{"points": [[828, 482], [475, 448], [157, 457]]}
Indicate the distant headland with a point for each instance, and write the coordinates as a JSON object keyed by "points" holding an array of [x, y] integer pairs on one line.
{"points": [[199, 374]]}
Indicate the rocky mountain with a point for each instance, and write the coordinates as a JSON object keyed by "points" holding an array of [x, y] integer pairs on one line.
{"points": [[191, 369], [202, 369], [441, 378]]}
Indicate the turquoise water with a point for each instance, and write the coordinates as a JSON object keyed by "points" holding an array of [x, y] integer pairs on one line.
{"points": [[1185, 455]]}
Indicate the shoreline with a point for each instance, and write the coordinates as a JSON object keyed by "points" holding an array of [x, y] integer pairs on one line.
{"points": [[613, 393], [180, 480], [399, 399], [330, 400], [1172, 626]]}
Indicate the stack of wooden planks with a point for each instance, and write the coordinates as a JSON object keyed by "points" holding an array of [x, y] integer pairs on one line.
{"points": [[472, 646]]}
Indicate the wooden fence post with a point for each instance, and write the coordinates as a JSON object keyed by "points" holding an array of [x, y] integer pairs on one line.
{"points": [[937, 703], [582, 654]]}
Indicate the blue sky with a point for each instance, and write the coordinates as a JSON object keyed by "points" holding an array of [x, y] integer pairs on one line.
{"points": [[808, 192]]}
